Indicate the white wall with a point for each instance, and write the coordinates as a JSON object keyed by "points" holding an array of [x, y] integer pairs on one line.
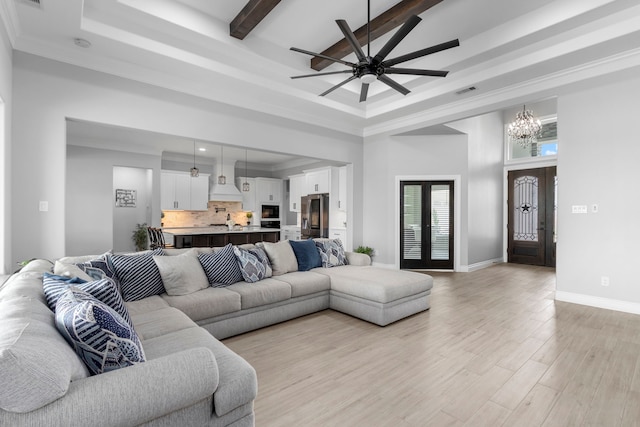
{"points": [[46, 93], [126, 219], [386, 157], [89, 206], [598, 164], [6, 76]]}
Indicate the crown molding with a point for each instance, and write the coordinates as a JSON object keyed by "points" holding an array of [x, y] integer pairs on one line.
{"points": [[9, 17]]}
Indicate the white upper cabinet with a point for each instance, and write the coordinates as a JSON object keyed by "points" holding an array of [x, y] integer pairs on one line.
{"points": [[179, 191], [318, 181], [342, 188], [269, 190], [248, 197], [297, 187]]}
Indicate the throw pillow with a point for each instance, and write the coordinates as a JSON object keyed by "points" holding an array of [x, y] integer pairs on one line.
{"points": [[264, 259], [281, 256], [71, 270], [99, 335], [331, 252], [98, 267], [137, 274], [105, 290], [181, 274], [307, 254], [251, 266], [221, 267]]}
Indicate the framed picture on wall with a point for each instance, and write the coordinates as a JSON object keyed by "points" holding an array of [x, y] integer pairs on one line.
{"points": [[126, 198]]}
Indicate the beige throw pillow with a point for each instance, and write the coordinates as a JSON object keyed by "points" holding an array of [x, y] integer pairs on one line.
{"points": [[181, 274], [283, 259]]}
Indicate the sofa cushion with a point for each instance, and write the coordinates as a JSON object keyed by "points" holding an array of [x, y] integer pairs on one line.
{"points": [[221, 267], [307, 254], [331, 252], [137, 274], [181, 274], [237, 384], [105, 290], [160, 322], [205, 304], [281, 256], [306, 283], [264, 292], [253, 264], [382, 285], [99, 335], [36, 364], [146, 305]]}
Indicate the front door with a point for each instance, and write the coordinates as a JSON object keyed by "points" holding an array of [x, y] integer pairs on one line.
{"points": [[426, 224], [532, 216]]}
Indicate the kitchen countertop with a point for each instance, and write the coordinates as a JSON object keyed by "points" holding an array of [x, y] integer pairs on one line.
{"points": [[192, 231]]}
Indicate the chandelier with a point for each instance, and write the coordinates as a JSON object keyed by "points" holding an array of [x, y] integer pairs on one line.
{"points": [[194, 170], [525, 129]]}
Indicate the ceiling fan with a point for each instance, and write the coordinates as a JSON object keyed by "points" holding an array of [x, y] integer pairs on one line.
{"points": [[369, 69]]}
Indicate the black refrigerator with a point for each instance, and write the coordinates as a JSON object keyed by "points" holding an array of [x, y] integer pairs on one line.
{"points": [[315, 216]]}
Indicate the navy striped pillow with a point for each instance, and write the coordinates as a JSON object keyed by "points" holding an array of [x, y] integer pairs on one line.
{"points": [[138, 275], [221, 267], [104, 290]]}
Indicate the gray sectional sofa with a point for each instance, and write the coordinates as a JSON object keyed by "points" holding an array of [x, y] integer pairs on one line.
{"points": [[189, 376]]}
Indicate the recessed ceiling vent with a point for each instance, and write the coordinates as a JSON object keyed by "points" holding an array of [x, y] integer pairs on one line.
{"points": [[465, 90], [32, 3]]}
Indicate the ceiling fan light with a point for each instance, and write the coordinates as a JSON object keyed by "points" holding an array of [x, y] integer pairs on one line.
{"points": [[368, 78]]}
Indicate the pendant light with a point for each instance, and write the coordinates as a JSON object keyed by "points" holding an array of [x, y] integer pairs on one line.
{"points": [[222, 180], [245, 186], [525, 129], [194, 170]]}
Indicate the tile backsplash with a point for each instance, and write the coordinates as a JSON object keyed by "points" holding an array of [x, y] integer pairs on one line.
{"points": [[216, 213]]}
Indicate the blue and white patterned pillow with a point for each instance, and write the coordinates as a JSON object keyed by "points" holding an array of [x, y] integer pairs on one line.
{"points": [[252, 268], [99, 335], [99, 268], [221, 267], [137, 274], [104, 290], [264, 259], [331, 252]]}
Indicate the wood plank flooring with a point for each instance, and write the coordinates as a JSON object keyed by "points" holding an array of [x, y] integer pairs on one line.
{"points": [[495, 349]]}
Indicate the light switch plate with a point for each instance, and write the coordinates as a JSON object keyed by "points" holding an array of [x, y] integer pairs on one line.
{"points": [[579, 209], [44, 206]]}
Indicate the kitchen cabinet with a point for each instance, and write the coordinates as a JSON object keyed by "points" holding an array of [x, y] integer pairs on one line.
{"points": [[297, 186], [342, 188], [269, 190], [248, 197], [179, 191], [318, 181], [290, 232]]}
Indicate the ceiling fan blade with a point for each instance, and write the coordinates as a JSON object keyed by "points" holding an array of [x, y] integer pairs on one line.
{"points": [[416, 72], [322, 74], [420, 53], [392, 84], [307, 52], [351, 38], [338, 85], [397, 38], [364, 91]]}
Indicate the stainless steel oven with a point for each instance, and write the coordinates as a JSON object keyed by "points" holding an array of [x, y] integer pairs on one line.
{"points": [[270, 212]]}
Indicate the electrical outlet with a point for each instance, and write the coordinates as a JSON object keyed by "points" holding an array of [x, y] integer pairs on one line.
{"points": [[594, 208], [43, 206], [604, 280]]}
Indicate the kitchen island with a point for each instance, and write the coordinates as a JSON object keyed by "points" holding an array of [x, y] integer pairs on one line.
{"points": [[192, 237]]}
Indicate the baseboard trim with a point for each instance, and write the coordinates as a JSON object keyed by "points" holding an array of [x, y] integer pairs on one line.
{"points": [[599, 302], [480, 265]]}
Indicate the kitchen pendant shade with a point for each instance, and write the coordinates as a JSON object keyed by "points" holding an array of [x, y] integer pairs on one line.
{"points": [[195, 172], [222, 180], [245, 186]]}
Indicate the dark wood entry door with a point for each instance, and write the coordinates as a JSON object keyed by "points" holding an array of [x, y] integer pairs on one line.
{"points": [[532, 216]]}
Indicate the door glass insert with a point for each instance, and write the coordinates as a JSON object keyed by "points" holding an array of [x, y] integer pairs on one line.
{"points": [[525, 220], [412, 222], [440, 222]]}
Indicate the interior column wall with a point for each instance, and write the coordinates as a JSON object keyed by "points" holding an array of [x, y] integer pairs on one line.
{"points": [[6, 90]]}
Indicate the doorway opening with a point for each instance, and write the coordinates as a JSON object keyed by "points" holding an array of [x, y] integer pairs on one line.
{"points": [[132, 189], [532, 216], [426, 225]]}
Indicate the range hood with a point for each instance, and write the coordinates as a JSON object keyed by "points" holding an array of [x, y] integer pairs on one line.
{"points": [[227, 192]]}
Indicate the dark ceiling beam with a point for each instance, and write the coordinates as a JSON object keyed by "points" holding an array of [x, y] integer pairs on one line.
{"points": [[250, 16], [381, 25]]}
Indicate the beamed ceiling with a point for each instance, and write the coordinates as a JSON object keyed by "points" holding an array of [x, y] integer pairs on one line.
{"points": [[237, 53]]}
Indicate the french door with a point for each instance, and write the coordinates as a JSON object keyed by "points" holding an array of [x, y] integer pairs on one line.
{"points": [[532, 216], [426, 224]]}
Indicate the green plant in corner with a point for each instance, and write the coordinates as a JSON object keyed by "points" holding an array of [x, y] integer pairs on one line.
{"points": [[139, 237], [364, 250]]}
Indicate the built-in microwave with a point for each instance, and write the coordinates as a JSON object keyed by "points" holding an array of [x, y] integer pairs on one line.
{"points": [[270, 211]]}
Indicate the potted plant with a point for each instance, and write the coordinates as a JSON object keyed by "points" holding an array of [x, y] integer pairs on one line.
{"points": [[249, 216], [139, 237], [365, 250]]}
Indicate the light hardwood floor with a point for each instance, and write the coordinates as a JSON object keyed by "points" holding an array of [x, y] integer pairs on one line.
{"points": [[494, 349]]}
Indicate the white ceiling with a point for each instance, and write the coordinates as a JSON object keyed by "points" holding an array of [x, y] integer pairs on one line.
{"points": [[511, 50]]}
